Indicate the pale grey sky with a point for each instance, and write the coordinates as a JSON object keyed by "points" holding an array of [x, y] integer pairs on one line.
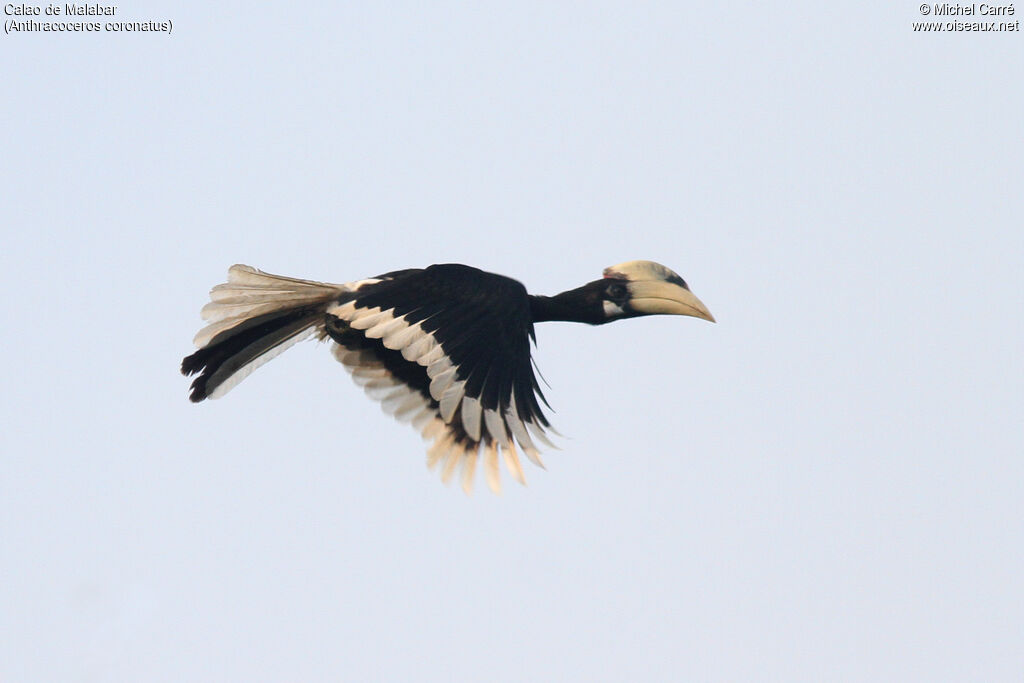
{"points": [[826, 485]]}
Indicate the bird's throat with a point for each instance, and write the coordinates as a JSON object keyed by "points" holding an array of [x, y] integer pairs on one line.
{"points": [[580, 305]]}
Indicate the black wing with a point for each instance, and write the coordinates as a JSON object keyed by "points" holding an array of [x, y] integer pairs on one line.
{"points": [[448, 348]]}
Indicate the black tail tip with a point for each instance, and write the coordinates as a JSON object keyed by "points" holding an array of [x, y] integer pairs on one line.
{"points": [[198, 391], [192, 365]]}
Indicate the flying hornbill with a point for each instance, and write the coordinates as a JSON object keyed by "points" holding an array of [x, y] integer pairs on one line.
{"points": [[445, 347]]}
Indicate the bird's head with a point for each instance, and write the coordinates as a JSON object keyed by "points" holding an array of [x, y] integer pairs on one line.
{"points": [[636, 288]]}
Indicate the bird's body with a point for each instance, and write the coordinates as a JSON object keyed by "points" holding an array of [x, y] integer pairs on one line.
{"points": [[445, 347]]}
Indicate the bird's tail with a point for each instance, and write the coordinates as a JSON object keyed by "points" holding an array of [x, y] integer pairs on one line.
{"points": [[252, 318]]}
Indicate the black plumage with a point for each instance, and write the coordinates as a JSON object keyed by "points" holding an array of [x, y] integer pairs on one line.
{"points": [[447, 347], [482, 320]]}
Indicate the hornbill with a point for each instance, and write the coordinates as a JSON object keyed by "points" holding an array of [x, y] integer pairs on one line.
{"points": [[445, 347]]}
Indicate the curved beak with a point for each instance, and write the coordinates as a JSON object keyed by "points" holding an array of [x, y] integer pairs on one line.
{"points": [[652, 297]]}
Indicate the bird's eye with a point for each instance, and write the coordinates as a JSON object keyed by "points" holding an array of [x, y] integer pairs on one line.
{"points": [[616, 291]]}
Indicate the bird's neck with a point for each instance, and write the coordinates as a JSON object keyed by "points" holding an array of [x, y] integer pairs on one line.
{"points": [[580, 305]]}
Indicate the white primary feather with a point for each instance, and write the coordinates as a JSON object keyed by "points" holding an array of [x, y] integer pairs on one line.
{"points": [[365, 320], [451, 460], [491, 467], [345, 311], [385, 327], [434, 427], [471, 417], [418, 348], [422, 418], [403, 337], [438, 366], [439, 385], [496, 427], [386, 397], [468, 469], [434, 354], [538, 433], [515, 425], [409, 405], [534, 455], [439, 449], [515, 468], [450, 401], [368, 373]]}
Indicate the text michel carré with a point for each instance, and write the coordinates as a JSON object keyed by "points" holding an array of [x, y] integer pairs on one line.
{"points": [[947, 9], [97, 10]]}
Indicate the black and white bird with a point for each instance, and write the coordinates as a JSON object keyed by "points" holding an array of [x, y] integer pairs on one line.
{"points": [[446, 348]]}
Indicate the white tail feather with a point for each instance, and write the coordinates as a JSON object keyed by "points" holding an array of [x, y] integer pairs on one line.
{"points": [[250, 292], [231, 346]]}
